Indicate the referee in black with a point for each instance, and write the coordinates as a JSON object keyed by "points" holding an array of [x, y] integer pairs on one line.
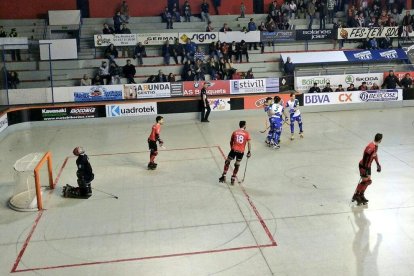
{"points": [[205, 106]]}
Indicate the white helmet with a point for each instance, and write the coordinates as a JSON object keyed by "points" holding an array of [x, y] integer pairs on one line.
{"points": [[78, 151]]}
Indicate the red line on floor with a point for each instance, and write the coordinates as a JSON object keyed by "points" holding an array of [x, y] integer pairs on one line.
{"points": [[147, 258], [26, 242], [259, 217], [19, 257]]}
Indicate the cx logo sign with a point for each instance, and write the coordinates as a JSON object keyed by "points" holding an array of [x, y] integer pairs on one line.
{"points": [[345, 97]]}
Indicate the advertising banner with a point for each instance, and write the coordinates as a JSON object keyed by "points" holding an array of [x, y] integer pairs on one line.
{"points": [[10, 43], [198, 37], [147, 90], [315, 57], [69, 113], [97, 93], [408, 48], [4, 123], [222, 104], [176, 89], [304, 83], [135, 109], [217, 87], [257, 101], [238, 36], [245, 86], [349, 97], [314, 34], [156, 38], [277, 36], [103, 40], [363, 33], [272, 85], [376, 55]]}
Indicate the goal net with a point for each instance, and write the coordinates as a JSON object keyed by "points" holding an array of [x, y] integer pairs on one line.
{"points": [[32, 176]]}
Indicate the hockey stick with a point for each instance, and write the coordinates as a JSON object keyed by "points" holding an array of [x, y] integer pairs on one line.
{"points": [[264, 130], [244, 175], [114, 196]]}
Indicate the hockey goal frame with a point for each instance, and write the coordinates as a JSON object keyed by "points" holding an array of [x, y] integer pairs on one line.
{"points": [[46, 158]]}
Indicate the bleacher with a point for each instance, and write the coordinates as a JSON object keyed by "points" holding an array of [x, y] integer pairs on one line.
{"points": [[34, 73]]}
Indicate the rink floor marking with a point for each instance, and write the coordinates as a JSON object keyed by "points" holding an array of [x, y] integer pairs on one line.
{"points": [[36, 222]]}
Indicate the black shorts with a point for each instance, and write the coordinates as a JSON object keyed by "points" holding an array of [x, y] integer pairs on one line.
{"points": [[237, 154], [364, 172], [152, 145]]}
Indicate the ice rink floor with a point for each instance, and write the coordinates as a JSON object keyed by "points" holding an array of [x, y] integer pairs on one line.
{"points": [[291, 216]]}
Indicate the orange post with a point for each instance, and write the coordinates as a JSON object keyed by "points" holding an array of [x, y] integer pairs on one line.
{"points": [[47, 157]]}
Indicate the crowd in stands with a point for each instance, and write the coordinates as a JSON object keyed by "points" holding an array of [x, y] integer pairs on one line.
{"points": [[390, 82]]}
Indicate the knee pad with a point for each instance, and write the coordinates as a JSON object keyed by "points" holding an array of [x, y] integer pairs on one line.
{"points": [[368, 182], [237, 164], [154, 152], [227, 162]]}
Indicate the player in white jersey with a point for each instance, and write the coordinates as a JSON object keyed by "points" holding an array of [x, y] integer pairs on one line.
{"points": [[267, 106], [293, 108], [276, 122]]}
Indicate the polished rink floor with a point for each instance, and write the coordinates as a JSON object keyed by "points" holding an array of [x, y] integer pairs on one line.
{"points": [[291, 216]]}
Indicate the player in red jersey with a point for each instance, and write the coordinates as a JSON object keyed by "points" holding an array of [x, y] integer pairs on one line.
{"points": [[152, 142], [370, 154], [238, 141]]}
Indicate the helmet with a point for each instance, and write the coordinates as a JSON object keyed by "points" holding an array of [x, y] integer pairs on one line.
{"points": [[78, 150]]}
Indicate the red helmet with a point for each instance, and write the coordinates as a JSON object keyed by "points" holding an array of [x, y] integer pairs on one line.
{"points": [[78, 150]]}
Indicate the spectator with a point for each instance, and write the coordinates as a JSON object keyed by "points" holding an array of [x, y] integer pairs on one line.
{"points": [[124, 12], [301, 9], [104, 72], [222, 68], [330, 7], [166, 52], [139, 53], [129, 71], [351, 88], [243, 51], [322, 9], [234, 50], [178, 50], [160, 77], [205, 14], [229, 69], [107, 29], [407, 24], [111, 53], [363, 86], [236, 75], [292, 9], [337, 27], [251, 27], [199, 70], [212, 68], [117, 22], [225, 28], [2, 32], [176, 15], [171, 77], [12, 79], [242, 9], [406, 82], [97, 80], [125, 49], [15, 53], [168, 18], [375, 86], [187, 66], [289, 67], [339, 89], [189, 76], [391, 81], [151, 79], [327, 88], [262, 28], [314, 88], [86, 80], [115, 73], [190, 48], [187, 11], [372, 44], [225, 51], [249, 74], [273, 9], [199, 54], [209, 28], [311, 12]]}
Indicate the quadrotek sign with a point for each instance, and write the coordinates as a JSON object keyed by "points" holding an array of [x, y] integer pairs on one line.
{"points": [[125, 110], [4, 123], [147, 90], [352, 97]]}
